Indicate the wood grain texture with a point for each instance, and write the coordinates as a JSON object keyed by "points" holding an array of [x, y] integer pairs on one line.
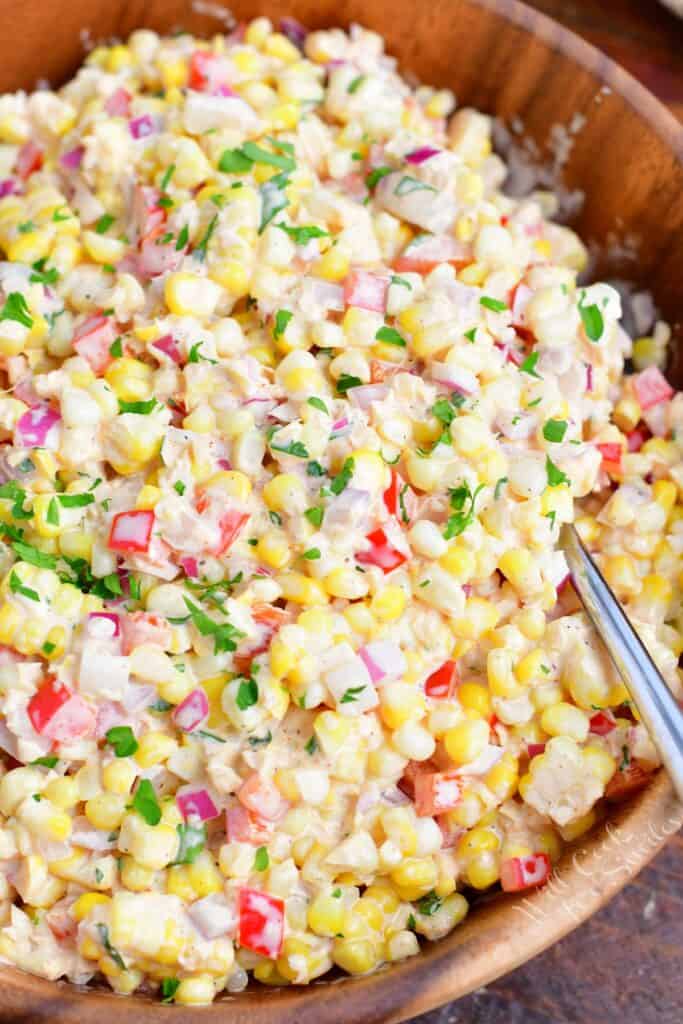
{"points": [[628, 158], [624, 963]]}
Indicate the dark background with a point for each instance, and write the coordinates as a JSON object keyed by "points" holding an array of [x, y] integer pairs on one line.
{"points": [[625, 965]]}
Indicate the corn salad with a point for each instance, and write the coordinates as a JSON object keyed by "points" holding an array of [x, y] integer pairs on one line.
{"points": [[296, 401]]}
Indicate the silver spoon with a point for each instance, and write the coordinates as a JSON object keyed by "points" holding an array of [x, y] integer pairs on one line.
{"points": [[656, 705]]}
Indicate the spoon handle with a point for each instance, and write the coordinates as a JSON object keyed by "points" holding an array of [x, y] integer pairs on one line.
{"points": [[656, 705]]}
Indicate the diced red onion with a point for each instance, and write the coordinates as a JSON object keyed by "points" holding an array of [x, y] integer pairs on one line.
{"points": [[7, 187], [294, 30], [71, 161], [383, 658], [196, 802], [169, 346], [190, 567], [534, 749], [118, 103], [457, 378], [224, 90], [224, 464], [141, 127], [104, 624], [589, 377], [365, 394], [418, 156], [192, 711], [155, 259], [521, 300], [138, 696], [90, 838], [35, 425], [467, 589], [109, 714]]}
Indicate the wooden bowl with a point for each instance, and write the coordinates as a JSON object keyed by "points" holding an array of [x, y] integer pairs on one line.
{"points": [[501, 57]]}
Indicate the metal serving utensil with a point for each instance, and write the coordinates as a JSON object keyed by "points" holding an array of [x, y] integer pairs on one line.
{"points": [[656, 705]]}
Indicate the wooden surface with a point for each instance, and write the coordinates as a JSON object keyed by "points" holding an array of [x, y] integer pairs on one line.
{"points": [[627, 157], [625, 964]]}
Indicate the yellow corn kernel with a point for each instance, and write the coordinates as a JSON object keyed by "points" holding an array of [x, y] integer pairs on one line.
{"points": [[32, 246], [332, 731], [627, 414], [502, 778], [101, 248], [130, 379], [326, 915], [196, 991], [85, 903], [301, 589], [482, 871], [466, 740], [588, 529], [345, 582], [190, 295], [106, 810], [479, 616], [333, 265], [475, 697], [460, 562], [173, 74], [664, 493], [283, 491], [233, 275], [599, 762], [154, 748], [273, 549], [620, 573], [515, 564], [148, 496], [63, 792], [414, 877], [656, 590], [136, 877], [565, 720], [389, 603], [579, 826], [533, 667], [119, 775]]}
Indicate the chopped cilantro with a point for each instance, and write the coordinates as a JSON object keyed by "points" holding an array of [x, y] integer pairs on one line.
{"points": [[341, 480], [146, 804], [555, 475], [463, 513], [261, 859], [390, 336], [15, 308], [282, 318], [351, 695], [122, 740], [495, 305], [529, 365], [104, 223], [554, 430], [247, 694]]}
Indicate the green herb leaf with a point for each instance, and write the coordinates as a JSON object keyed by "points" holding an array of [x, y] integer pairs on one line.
{"points": [[376, 175], [314, 469], [318, 403], [341, 480], [390, 336], [258, 155], [192, 839], [122, 740], [495, 305], [116, 348], [42, 276], [407, 184], [224, 633], [113, 953], [312, 554], [261, 859], [355, 85], [260, 741], [169, 987], [314, 515], [53, 512], [282, 318], [273, 199], [591, 318], [529, 366], [24, 228], [17, 587], [311, 746], [104, 223], [195, 355], [346, 382], [76, 500], [15, 308], [499, 486], [234, 161], [554, 430], [470, 335], [247, 694], [304, 234], [33, 556], [45, 762], [351, 695], [429, 904], [462, 502], [179, 487], [395, 279], [555, 475], [146, 804], [183, 238], [141, 408], [295, 448], [200, 249], [168, 174]]}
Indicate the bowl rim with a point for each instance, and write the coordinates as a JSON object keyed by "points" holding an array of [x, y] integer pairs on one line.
{"points": [[456, 965]]}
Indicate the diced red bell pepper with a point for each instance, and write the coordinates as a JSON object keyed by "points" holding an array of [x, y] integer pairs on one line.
{"points": [[627, 781], [381, 371], [208, 72], [602, 723], [148, 216], [118, 103], [392, 492], [242, 826], [261, 922], [611, 456], [441, 685], [139, 628], [131, 531], [381, 552], [271, 618], [425, 253], [59, 714], [30, 159], [436, 792], [93, 340], [651, 387], [230, 523], [410, 773], [534, 749], [44, 704], [262, 797], [637, 438], [519, 873], [365, 290]]}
